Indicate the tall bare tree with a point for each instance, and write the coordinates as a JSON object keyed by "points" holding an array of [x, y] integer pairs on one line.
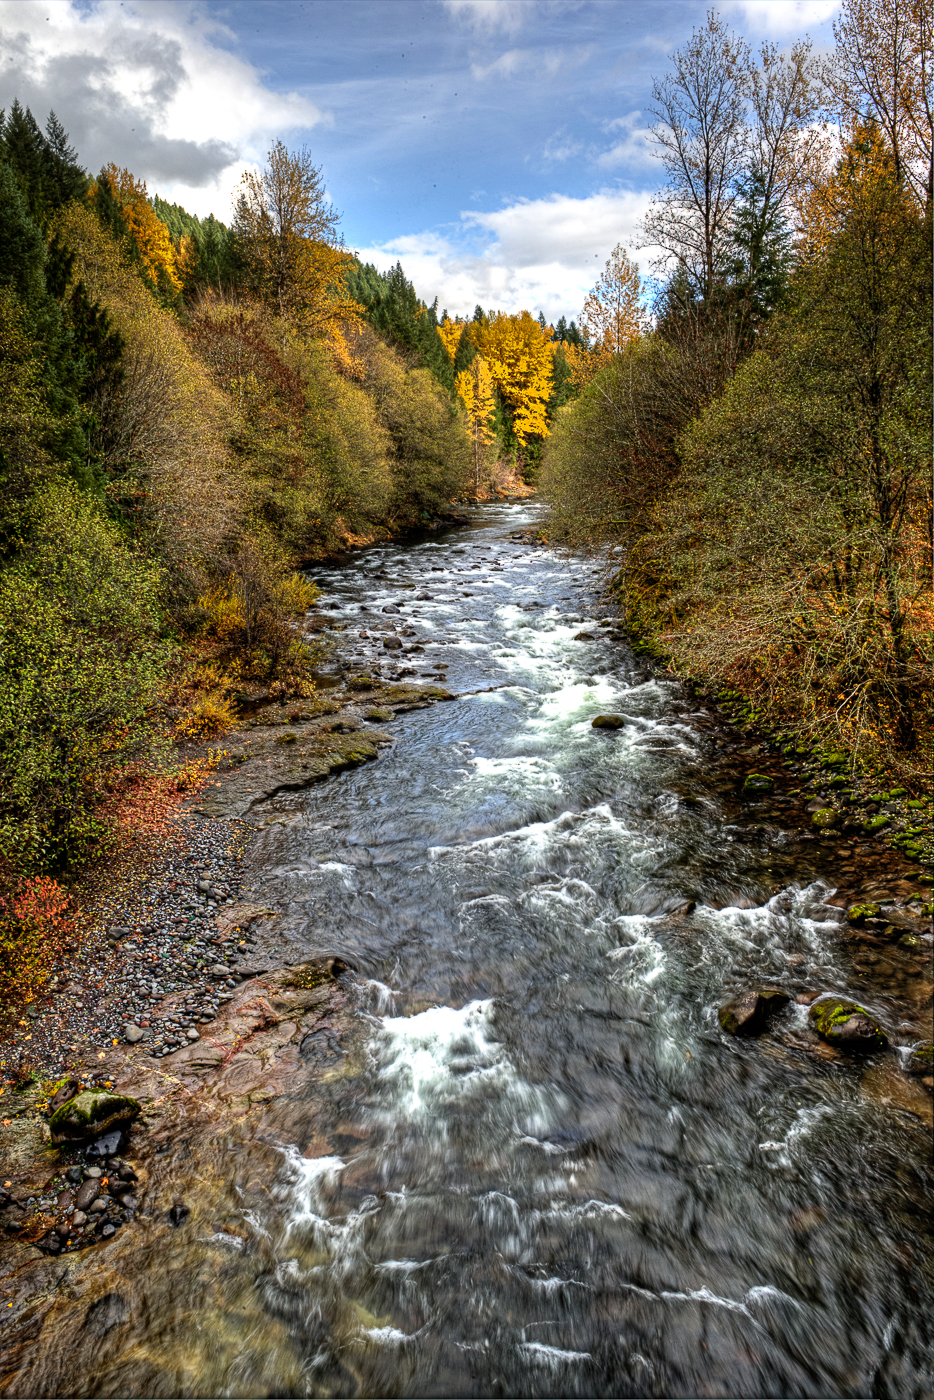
{"points": [[288, 235], [882, 69], [784, 94], [702, 139]]}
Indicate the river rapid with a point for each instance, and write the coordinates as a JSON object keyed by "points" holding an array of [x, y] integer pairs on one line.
{"points": [[547, 1171]]}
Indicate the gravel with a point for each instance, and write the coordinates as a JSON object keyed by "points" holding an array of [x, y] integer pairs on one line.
{"points": [[148, 935]]}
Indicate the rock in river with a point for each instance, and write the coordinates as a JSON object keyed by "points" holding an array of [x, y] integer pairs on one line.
{"points": [[846, 1024], [749, 1013], [89, 1114], [608, 722]]}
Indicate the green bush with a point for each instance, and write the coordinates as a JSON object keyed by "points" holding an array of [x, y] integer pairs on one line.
{"points": [[81, 666]]}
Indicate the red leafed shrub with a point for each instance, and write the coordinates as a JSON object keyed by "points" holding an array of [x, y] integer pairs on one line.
{"points": [[36, 924]]}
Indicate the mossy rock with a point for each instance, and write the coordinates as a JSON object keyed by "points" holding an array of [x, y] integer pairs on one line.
{"points": [[824, 818], [378, 714], [608, 722], [847, 1025], [835, 760], [876, 823], [758, 782], [89, 1114], [858, 913], [286, 738], [921, 1059], [360, 683]]}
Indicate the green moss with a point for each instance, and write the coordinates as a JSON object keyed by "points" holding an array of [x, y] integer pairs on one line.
{"points": [[89, 1113], [286, 738], [876, 823], [829, 1017], [858, 912], [758, 782], [826, 817]]}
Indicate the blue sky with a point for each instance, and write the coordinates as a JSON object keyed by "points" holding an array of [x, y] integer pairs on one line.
{"points": [[499, 148]]}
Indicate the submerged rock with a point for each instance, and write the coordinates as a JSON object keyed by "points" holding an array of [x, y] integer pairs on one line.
{"points": [[749, 1014], [824, 817], [848, 1025], [921, 1059], [758, 782], [90, 1114], [859, 913], [608, 722]]}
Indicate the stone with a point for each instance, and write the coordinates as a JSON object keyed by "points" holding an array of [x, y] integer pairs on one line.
{"points": [[608, 722], [87, 1194], [78, 1219], [921, 1059], [392, 643], [74, 1174], [847, 1025], [106, 1145], [90, 1115], [99, 1206], [132, 1034], [192, 1034], [64, 1090], [758, 782], [178, 1213], [824, 818], [584, 637], [391, 608], [218, 970], [749, 1013]]}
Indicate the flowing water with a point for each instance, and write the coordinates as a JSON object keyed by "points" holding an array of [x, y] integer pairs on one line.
{"points": [[550, 1173]]}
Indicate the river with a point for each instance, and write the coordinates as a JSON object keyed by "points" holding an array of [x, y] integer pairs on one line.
{"points": [[550, 1173]]}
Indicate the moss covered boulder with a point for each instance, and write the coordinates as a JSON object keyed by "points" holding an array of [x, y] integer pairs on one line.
{"points": [[758, 782], [847, 1025], [89, 1114], [859, 913], [824, 818], [749, 1014]]}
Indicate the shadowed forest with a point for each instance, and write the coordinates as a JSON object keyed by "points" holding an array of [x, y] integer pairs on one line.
{"points": [[190, 412]]}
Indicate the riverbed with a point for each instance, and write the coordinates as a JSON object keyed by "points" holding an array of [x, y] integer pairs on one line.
{"points": [[541, 1168]]}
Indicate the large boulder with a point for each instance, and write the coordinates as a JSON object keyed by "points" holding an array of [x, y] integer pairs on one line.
{"points": [[846, 1024], [749, 1013], [921, 1059], [91, 1113], [608, 722]]}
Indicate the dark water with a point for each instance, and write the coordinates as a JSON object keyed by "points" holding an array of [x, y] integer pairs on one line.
{"points": [[551, 1173]]}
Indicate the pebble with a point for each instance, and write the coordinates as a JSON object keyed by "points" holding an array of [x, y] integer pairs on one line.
{"points": [[143, 935]]}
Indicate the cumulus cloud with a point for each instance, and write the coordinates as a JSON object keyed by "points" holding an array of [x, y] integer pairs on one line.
{"points": [[130, 82], [777, 17], [541, 254]]}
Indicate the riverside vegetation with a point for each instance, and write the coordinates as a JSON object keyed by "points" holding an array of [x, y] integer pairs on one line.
{"points": [[189, 414], [755, 458]]}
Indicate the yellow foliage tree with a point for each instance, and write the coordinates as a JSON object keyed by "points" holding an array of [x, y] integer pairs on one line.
{"points": [[519, 355], [149, 232], [475, 391], [586, 361], [612, 314], [450, 333], [290, 243]]}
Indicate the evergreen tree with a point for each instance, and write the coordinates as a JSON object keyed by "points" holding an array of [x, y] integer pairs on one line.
{"points": [[761, 242]]}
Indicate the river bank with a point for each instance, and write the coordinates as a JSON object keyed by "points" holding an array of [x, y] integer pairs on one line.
{"points": [[263, 1073]]}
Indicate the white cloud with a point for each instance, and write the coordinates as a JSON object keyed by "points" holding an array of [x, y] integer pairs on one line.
{"points": [[791, 17], [491, 16], [543, 62], [541, 254], [561, 146], [151, 85], [633, 148]]}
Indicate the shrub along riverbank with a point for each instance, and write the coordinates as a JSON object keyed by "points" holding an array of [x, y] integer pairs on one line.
{"points": [[757, 463]]}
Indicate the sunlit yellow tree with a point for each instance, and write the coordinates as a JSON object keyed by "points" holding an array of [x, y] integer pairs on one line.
{"points": [[613, 314], [450, 333], [150, 234], [475, 390], [519, 353]]}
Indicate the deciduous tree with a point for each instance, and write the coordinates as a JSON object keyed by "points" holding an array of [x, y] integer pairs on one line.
{"points": [[518, 353], [475, 391], [613, 314]]}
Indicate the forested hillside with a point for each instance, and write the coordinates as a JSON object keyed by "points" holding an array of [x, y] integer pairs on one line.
{"points": [[753, 441]]}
